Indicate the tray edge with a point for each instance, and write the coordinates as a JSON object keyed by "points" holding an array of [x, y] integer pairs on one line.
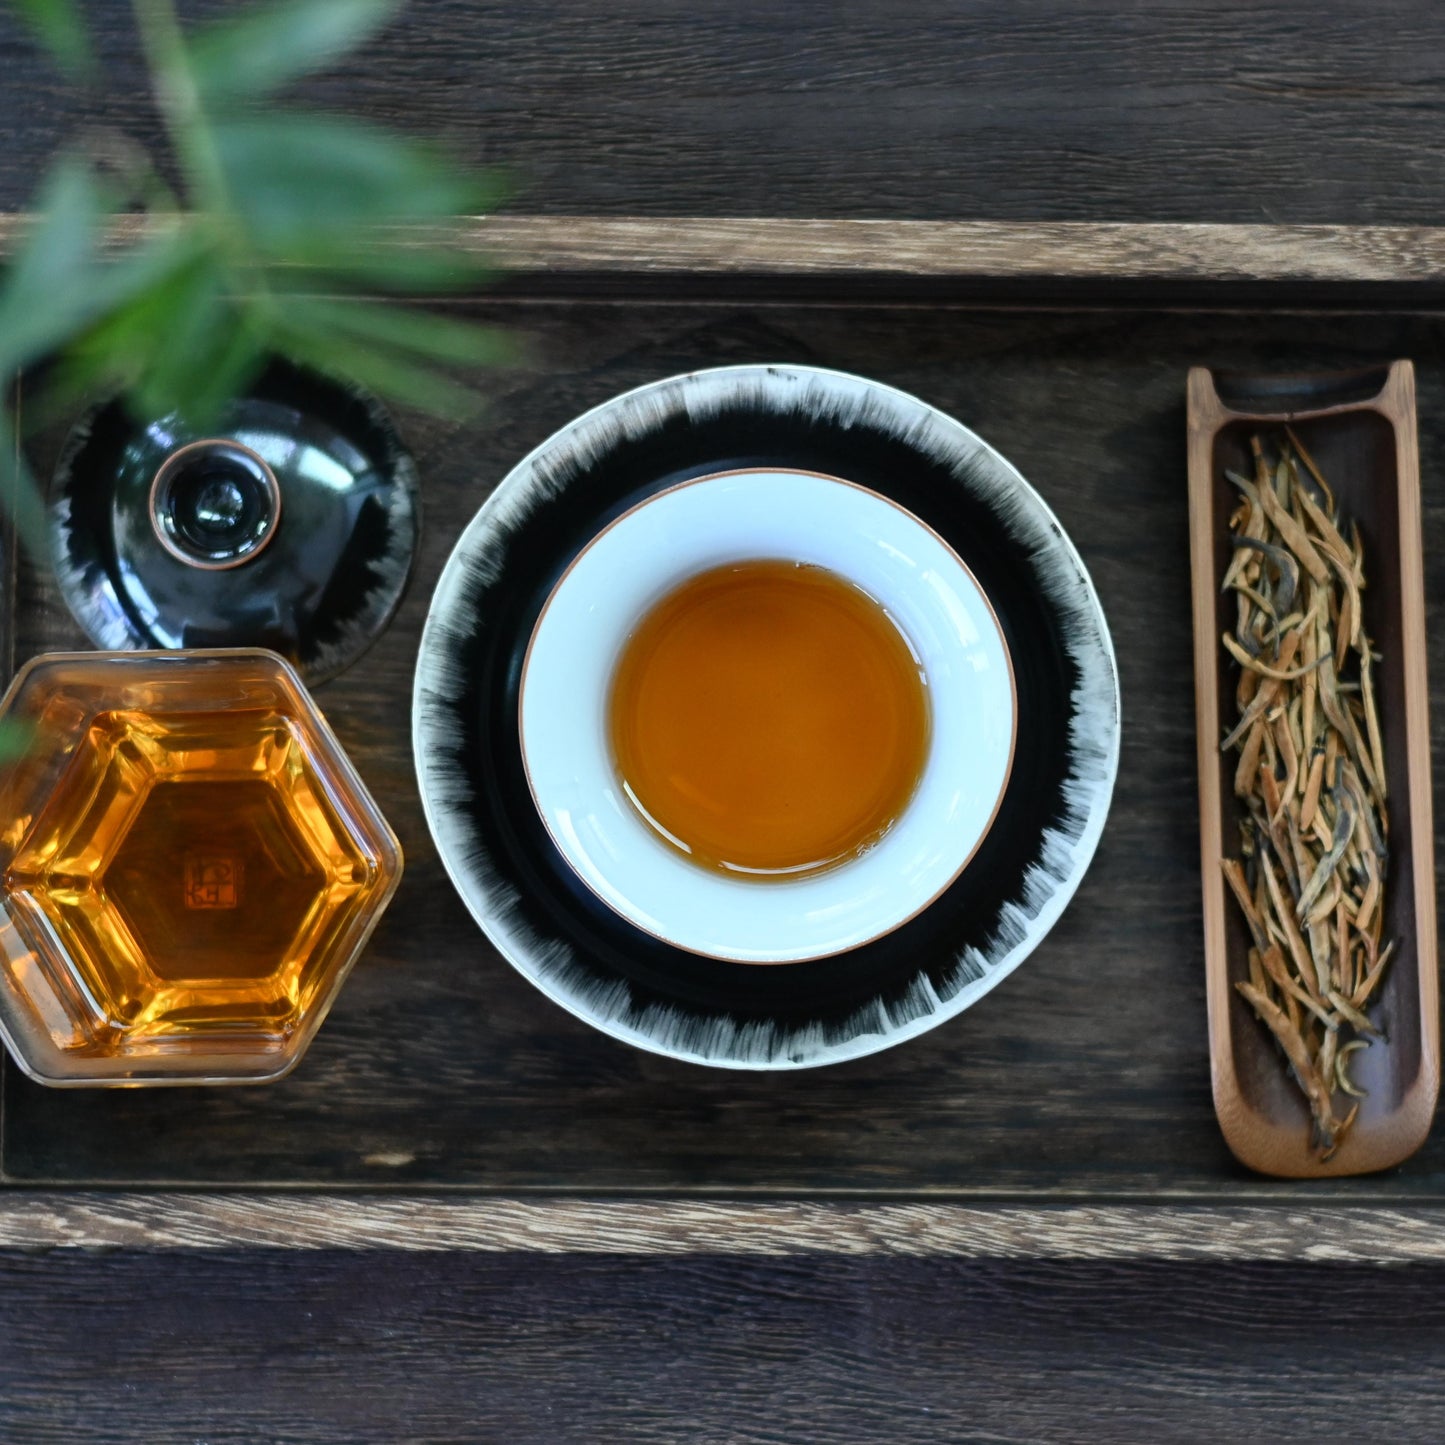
{"points": [[658, 246], [298, 1221]]}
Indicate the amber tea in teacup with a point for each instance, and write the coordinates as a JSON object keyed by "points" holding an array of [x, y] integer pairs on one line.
{"points": [[769, 719]]}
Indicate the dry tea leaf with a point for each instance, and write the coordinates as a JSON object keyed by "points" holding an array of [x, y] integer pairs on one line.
{"points": [[1311, 776]]}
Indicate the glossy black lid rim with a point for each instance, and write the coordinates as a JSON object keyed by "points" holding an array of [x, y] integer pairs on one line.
{"points": [[83, 548]]}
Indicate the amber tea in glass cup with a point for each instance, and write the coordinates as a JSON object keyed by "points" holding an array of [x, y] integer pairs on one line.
{"points": [[190, 867]]}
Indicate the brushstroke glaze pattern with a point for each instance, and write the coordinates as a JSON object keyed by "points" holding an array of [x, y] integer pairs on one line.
{"points": [[709, 1011]]}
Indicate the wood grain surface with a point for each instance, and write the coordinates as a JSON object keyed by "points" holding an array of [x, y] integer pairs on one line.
{"points": [[1000, 109], [1084, 1078], [1024, 110], [588, 254], [265, 1346], [987, 250], [416, 1224]]}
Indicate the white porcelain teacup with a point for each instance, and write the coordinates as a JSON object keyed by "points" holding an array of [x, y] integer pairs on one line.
{"points": [[742, 516]]}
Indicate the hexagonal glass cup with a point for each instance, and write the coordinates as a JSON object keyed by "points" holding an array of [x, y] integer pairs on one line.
{"points": [[189, 866]]}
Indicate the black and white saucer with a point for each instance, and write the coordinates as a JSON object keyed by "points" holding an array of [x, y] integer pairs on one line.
{"points": [[581, 924]]}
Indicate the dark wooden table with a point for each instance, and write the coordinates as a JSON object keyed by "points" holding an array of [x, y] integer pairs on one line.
{"points": [[1009, 110]]}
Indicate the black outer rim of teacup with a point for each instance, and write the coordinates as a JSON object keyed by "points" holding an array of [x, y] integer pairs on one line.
{"points": [[880, 933]]}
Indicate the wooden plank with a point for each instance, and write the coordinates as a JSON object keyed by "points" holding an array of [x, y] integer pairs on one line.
{"points": [[1001, 109], [1017, 250], [699, 248], [305, 1221], [376, 1348]]}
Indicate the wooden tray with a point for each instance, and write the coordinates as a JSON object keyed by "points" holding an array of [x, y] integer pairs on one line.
{"points": [[1360, 428], [446, 1102]]}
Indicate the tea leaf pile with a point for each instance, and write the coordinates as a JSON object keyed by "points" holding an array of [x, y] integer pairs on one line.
{"points": [[1311, 774]]}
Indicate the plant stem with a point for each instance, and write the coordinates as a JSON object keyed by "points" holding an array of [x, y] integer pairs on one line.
{"points": [[180, 102], [211, 203]]}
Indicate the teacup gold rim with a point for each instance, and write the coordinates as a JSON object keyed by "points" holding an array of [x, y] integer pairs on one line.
{"points": [[838, 481]]}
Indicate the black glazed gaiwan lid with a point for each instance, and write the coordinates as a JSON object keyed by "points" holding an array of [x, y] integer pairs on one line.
{"points": [[290, 524]]}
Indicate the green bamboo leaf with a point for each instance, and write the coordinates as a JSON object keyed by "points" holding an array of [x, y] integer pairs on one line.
{"points": [[16, 738], [59, 27], [237, 356], [113, 353], [162, 332], [68, 388], [444, 339], [402, 268], [47, 290], [59, 284], [117, 350], [20, 498], [301, 178], [208, 346], [273, 44], [395, 378]]}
